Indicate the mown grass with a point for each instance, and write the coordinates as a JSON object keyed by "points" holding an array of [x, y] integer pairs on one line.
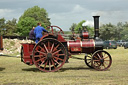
{"points": [[14, 72]]}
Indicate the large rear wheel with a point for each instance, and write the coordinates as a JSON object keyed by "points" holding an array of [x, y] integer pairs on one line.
{"points": [[49, 55]]}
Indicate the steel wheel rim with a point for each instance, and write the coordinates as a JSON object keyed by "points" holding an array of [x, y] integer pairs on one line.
{"points": [[88, 59], [101, 60], [49, 55]]}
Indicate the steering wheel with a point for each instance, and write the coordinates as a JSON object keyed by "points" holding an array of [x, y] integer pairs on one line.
{"points": [[53, 29]]}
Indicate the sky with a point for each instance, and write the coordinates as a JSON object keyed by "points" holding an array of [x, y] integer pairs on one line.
{"points": [[64, 13]]}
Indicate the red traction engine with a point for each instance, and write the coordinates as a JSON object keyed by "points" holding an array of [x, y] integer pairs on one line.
{"points": [[52, 51]]}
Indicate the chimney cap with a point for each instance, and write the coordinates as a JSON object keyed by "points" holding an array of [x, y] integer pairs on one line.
{"points": [[96, 16]]}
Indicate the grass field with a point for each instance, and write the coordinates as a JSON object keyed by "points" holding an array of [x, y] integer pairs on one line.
{"points": [[14, 72]]}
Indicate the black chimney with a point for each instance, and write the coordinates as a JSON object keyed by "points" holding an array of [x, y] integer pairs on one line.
{"points": [[96, 26]]}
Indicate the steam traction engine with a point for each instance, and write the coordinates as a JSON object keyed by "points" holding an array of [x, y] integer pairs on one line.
{"points": [[52, 51]]}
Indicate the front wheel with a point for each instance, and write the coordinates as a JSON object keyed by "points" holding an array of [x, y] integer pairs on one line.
{"points": [[87, 60], [49, 55], [101, 60]]}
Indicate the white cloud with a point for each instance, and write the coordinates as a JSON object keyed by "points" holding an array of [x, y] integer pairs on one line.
{"points": [[78, 9], [65, 12], [3, 12], [112, 16]]}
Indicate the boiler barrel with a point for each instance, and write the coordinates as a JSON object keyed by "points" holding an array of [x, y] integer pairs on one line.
{"points": [[85, 46]]}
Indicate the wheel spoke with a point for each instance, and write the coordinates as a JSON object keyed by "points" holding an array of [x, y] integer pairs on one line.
{"points": [[45, 48], [41, 52], [40, 60], [49, 65], [48, 45], [56, 52], [60, 55], [45, 64], [98, 55], [88, 56], [58, 58], [56, 61], [89, 62], [104, 65], [97, 63], [52, 47], [42, 63], [106, 57], [55, 48], [38, 55], [42, 49], [53, 63], [96, 60]]}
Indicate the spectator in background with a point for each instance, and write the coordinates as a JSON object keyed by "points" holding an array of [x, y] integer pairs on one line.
{"points": [[38, 32]]}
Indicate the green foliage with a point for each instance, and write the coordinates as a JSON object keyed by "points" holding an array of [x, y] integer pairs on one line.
{"points": [[10, 27], [25, 25], [39, 14], [107, 32], [73, 26], [79, 26], [124, 32], [90, 30], [30, 18], [114, 32], [2, 26]]}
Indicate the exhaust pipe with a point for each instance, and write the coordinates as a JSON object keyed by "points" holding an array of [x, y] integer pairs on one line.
{"points": [[96, 27]]}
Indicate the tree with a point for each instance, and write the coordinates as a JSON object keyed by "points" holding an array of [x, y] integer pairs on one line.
{"points": [[2, 26], [39, 14], [36, 14], [118, 30], [107, 32], [79, 26], [73, 26], [10, 27], [124, 32], [25, 25]]}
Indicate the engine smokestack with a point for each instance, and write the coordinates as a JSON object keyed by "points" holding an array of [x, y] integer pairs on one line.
{"points": [[96, 26]]}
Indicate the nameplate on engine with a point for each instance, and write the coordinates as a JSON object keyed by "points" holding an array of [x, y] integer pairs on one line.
{"points": [[76, 49]]}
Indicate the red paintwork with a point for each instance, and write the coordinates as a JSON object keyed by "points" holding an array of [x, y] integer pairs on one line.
{"points": [[46, 35], [77, 46], [85, 46], [85, 35], [75, 49], [88, 43], [27, 52], [60, 38]]}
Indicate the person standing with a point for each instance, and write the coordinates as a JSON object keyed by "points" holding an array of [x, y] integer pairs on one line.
{"points": [[38, 32]]}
